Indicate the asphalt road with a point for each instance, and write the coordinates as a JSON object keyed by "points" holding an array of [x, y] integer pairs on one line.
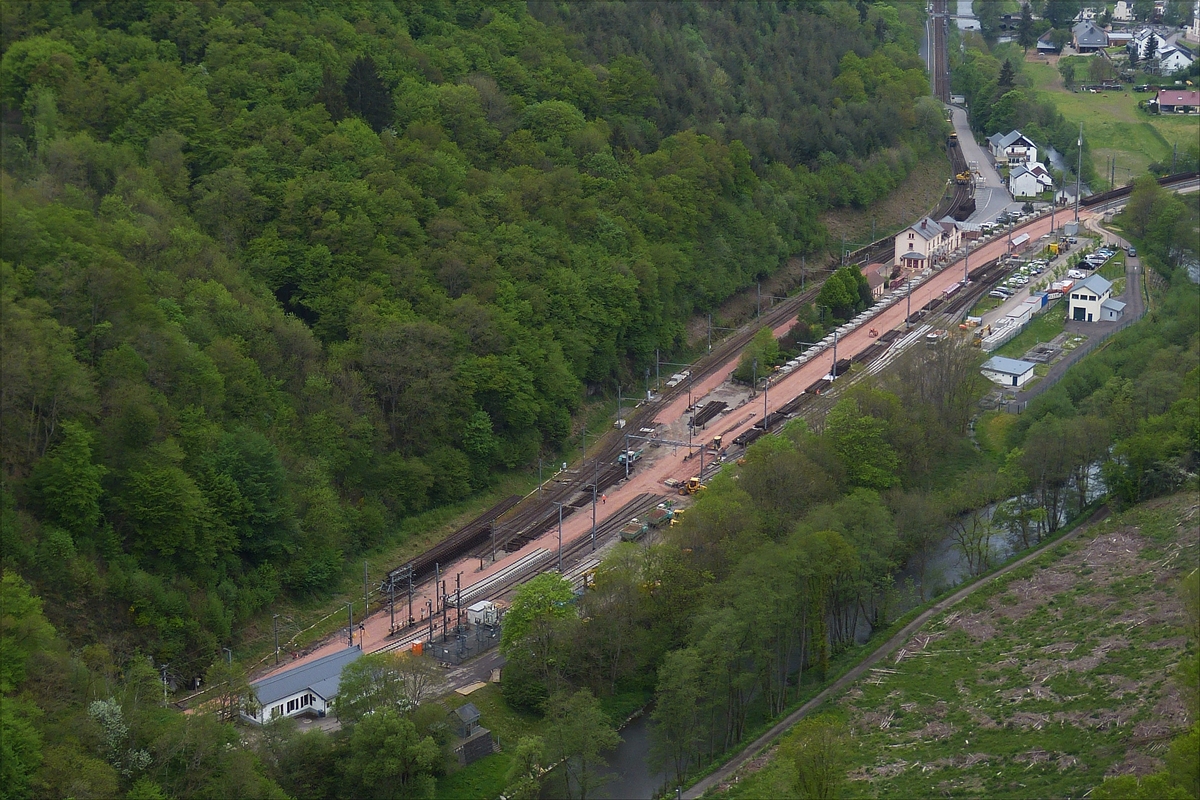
{"points": [[991, 195]]}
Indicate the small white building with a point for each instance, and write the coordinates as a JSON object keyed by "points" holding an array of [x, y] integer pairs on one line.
{"points": [[1087, 298], [1029, 180], [1008, 371], [1012, 147], [1123, 12], [1193, 30], [305, 689]]}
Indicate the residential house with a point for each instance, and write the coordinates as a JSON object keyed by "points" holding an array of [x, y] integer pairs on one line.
{"points": [[1120, 38], [919, 245], [1091, 301], [1140, 39], [1085, 14], [1087, 37], [473, 741], [305, 689], [1173, 59], [1193, 30], [1008, 371], [1174, 101], [1029, 180], [1123, 12], [1012, 147], [1045, 43]]}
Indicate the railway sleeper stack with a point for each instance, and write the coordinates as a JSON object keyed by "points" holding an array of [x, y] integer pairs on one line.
{"points": [[705, 414]]}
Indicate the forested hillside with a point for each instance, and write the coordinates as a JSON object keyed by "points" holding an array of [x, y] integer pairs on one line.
{"points": [[277, 275]]}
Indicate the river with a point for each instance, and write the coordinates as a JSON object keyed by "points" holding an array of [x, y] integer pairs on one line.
{"points": [[632, 777]]}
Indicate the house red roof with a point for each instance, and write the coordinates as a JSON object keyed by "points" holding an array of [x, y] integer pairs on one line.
{"points": [[1174, 97]]}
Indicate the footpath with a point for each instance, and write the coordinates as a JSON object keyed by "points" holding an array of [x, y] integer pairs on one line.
{"points": [[726, 772]]}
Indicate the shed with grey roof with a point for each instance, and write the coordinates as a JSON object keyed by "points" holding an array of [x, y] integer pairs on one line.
{"points": [[1008, 371]]}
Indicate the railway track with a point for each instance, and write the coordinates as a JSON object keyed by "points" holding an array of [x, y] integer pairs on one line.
{"points": [[519, 523]]}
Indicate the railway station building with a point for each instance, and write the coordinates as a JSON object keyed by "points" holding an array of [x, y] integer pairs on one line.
{"points": [[305, 689], [918, 245]]}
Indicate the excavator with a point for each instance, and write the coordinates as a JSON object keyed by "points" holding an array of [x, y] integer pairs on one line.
{"points": [[691, 486]]}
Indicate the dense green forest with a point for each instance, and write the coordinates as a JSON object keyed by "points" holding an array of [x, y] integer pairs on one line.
{"points": [[277, 276]]}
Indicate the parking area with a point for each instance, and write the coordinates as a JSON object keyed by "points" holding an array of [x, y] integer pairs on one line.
{"points": [[1035, 274]]}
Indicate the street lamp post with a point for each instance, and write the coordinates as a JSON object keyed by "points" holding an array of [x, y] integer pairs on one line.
{"points": [[275, 625]]}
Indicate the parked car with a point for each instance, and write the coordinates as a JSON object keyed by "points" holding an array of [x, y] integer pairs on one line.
{"points": [[998, 294], [1132, 251]]}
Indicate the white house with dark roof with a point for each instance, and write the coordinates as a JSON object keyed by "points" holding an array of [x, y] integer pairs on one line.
{"points": [[1173, 59], [308, 688], [1091, 300], [1012, 147], [1123, 11], [1144, 35], [918, 245], [1029, 180], [1008, 371]]}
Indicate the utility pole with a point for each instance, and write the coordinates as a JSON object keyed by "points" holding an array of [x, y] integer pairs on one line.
{"points": [[835, 354], [908, 297], [350, 610], [539, 479], [560, 508], [275, 625], [458, 600], [710, 331], [411, 619], [445, 610], [366, 593], [1079, 168], [758, 295], [595, 485], [967, 265], [647, 384], [766, 386], [429, 605], [625, 456], [163, 667], [657, 368], [391, 605]]}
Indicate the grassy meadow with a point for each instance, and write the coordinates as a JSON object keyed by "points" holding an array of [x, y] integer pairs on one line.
{"points": [[1113, 124], [1039, 685]]}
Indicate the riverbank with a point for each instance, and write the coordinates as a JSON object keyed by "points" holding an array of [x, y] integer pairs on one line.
{"points": [[1056, 675], [891, 641]]}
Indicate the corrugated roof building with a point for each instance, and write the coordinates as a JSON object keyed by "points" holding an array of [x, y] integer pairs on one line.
{"points": [[305, 689]]}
